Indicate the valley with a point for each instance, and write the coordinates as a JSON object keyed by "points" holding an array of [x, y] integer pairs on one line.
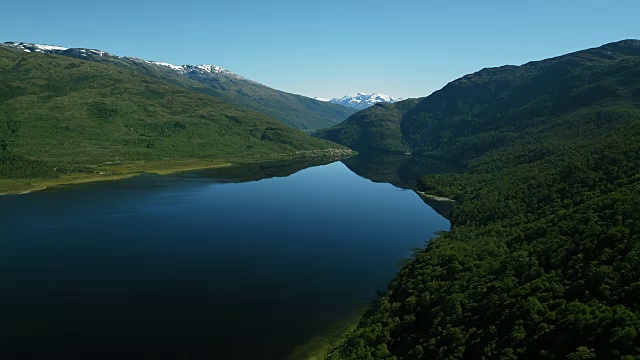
{"points": [[186, 211]]}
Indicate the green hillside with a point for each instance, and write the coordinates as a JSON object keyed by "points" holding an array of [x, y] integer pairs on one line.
{"points": [[375, 129], [61, 116], [294, 110], [297, 111], [494, 106], [543, 259]]}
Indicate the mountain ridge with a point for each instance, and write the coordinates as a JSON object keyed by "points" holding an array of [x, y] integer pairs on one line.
{"points": [[440, 111], [297, 111]]}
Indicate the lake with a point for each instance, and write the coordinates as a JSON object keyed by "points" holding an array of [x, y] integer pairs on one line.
{"points": [[235, 263]]}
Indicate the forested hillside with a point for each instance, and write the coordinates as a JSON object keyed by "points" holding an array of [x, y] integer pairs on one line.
{"points": [[543, 259], [492, 107], [60, 116], [297, 111]]}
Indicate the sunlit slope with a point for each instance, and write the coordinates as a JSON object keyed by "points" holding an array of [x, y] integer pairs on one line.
{"points": [[60, 115], [293, 110]]}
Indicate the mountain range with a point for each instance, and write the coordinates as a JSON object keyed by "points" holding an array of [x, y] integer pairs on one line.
{"points": [[293, 110], [361, 100], [541, 160]]}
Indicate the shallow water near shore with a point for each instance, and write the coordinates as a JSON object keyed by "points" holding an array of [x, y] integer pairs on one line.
{"points": [[227, 263]]}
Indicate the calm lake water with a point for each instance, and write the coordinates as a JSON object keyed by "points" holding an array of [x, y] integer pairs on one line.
{"points": [[222, 264]]}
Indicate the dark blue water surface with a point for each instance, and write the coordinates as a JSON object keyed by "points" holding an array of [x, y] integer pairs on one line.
{"points": [[196, 265]]}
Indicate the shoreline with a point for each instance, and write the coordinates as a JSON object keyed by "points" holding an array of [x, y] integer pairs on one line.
{"points": [[440, 204], [84, 178], [321, 345], [433, 197], [159, 167]]}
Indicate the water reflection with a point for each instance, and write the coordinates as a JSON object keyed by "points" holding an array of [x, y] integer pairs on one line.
{"points": [[404, 171], [238, 173], [208, 264]]}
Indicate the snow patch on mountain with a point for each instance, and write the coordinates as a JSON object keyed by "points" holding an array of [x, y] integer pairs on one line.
{"points": [[53, 49], [204, 69], [362, 101], [26, 47], [215, 69], [165, 64]]}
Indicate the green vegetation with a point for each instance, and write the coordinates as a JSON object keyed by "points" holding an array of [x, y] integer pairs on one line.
{"points": [[297, 111], [543, 259], [493, 107], [372, 130], [60, 116], [321, 345], [402, 171]]}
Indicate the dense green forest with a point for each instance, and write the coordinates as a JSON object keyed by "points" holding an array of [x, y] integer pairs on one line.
{"points": [[297, 111], [543, 258], [373, 130], [60, 115]]}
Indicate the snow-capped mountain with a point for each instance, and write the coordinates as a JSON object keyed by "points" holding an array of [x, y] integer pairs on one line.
{"points": [[53, 49], [294, 110], [362, 101], [81, 53], [203, 69]]}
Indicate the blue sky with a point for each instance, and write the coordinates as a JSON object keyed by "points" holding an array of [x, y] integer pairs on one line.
{"points": [[329, 48]]}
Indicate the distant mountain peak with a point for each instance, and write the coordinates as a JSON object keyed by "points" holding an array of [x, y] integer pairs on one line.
{"points": [[363, 100]]}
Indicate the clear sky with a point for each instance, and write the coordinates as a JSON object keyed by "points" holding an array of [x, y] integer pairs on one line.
{"points": [[329, 48]]}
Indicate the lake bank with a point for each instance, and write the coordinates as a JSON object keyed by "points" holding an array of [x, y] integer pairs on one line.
{"points": [[108, 173], [320, 346], [119, 171]]}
